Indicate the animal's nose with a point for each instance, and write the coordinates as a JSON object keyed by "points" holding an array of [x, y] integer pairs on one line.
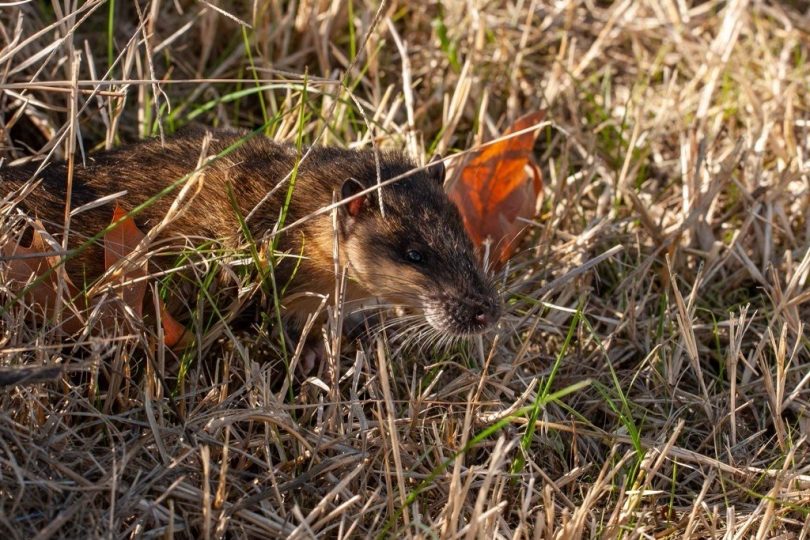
{"points": [[485, 314], [482, 318]]}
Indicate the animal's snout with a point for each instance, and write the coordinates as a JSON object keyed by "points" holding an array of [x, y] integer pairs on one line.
{"points": [[472, 314], [485, 312], [485, 318]]}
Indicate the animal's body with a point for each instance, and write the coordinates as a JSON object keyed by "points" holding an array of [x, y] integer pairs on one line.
{"points": [[417, 254]]}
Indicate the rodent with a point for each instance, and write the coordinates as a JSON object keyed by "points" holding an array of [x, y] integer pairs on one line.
{"points": [[417, 254]]}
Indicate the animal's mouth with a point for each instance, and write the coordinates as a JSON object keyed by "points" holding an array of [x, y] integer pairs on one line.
{"points": [[462, 316]]}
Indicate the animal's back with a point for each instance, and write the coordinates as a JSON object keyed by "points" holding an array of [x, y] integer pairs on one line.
{"points": [[151, 175]]}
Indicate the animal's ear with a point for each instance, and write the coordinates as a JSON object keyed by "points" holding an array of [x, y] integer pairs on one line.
{"points": [[350, 187], [436, 169]]}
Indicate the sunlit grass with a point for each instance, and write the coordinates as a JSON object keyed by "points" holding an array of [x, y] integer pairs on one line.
{"points": [[661, 391]]}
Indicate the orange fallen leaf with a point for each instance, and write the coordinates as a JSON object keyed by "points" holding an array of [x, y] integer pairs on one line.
{"points": [[119, 243], [498, 187], [33, 266], [175, 335]]}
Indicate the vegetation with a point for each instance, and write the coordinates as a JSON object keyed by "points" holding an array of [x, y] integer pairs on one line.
{"points": [[651, 377]]}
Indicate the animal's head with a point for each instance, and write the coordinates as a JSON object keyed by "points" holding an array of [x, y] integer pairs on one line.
{"points": [[415, 252]]}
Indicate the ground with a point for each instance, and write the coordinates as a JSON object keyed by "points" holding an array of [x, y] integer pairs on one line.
{"points": [[650, 376]]}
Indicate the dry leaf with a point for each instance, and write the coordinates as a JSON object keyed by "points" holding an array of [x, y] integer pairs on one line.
{"points": [[175, 335], [119, 243], [499, 185], [36, 274], [32, 265]]}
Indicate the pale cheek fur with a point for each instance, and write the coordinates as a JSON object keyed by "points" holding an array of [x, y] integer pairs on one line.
{"points": [[383, 278]]}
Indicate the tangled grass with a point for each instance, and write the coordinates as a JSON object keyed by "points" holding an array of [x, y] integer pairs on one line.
{"points": [[650, 378]]}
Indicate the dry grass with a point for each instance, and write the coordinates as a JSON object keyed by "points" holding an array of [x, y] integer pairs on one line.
{"points": [[660, 391]]}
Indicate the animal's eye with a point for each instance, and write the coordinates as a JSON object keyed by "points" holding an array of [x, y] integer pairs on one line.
{"points": [[414, 256]]}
